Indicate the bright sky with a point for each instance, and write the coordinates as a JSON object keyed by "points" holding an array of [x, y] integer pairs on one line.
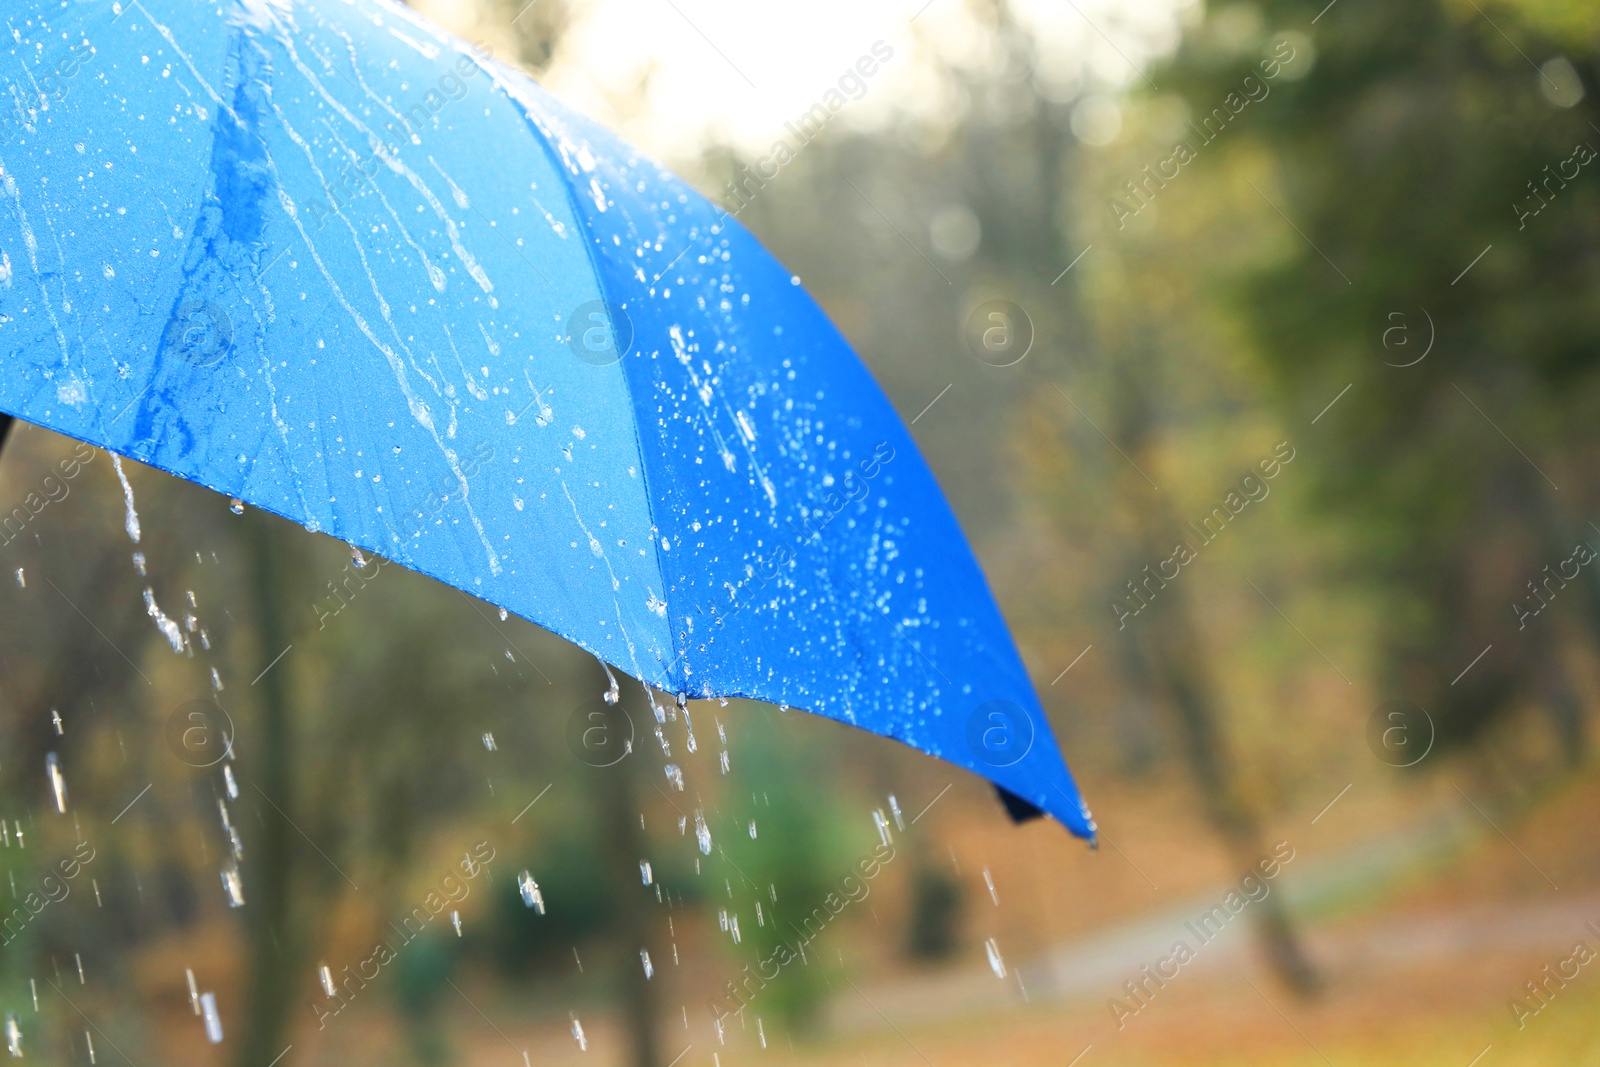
{"points": [[736, 70]]}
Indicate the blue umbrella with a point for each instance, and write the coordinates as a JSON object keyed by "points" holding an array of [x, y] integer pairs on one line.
{"points": [[320, 257]]}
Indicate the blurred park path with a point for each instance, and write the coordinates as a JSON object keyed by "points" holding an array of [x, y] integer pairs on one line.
{"points": [[1332, 895]]}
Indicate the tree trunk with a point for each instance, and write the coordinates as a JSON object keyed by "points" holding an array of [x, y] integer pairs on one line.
{"points": [[617, 796], [269, 866]]}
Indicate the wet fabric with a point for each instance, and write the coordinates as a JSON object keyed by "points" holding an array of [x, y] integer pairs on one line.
{"points": [[320, 257]]}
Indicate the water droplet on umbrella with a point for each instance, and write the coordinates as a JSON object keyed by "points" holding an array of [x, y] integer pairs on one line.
{"points": [[58, 784], [236, 505], [649, 969], [208, 1008], [613, 694], [997, 963], [503, 615], [356, 557]]}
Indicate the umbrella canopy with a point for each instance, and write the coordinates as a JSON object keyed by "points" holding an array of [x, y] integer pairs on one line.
{"points": [[318, 256]]}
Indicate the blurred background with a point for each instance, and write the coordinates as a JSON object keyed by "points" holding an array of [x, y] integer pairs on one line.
{"points": [[1286, 295]]}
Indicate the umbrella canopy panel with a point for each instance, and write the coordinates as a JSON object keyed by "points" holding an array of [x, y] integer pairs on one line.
{"points": [[320, 257]]}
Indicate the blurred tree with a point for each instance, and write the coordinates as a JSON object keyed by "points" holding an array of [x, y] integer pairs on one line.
{"points": [[1441, 156], [936, 902]]}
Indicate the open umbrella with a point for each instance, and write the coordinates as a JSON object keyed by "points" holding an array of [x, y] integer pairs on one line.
{"points": [[315, 255]]}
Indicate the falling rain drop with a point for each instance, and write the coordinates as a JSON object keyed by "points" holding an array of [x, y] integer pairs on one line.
{"points": [[675, 776], [132, 519], [883, 826], [208, 1008], [894, 809], [139, 564], [233, 885], [723, 759], [702, 833], [55, 720], [488, 741], [988, 880], [645, 874], [194, 990], [997, 963], [58, 784], [577, 1034], [752, 829], [168, 628], [455, 921], [649, 968], [89, 1041], [228, 781], [22, 579], [530, 892], [326, 977], [13, 1036]]}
